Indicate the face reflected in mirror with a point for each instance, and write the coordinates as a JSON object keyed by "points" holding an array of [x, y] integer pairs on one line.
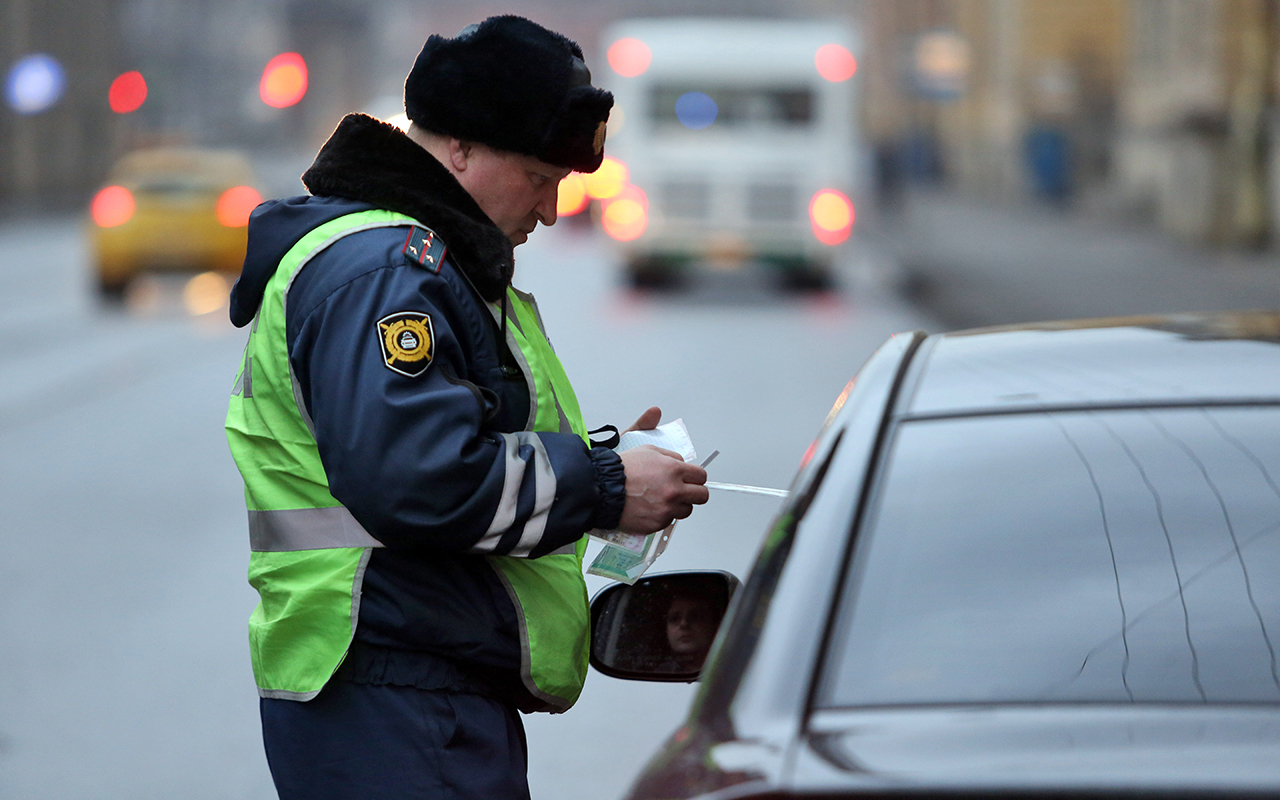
{"points": [[662, 627], [691, 625]]}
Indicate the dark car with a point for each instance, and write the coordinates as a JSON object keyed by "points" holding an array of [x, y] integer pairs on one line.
{"points": [[1028, 561]]}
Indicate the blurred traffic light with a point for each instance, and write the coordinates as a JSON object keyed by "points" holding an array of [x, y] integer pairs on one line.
{"points": [[128, 92], [35, 83], [284, 80]]}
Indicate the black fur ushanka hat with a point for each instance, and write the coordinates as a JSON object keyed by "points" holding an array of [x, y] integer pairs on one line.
{"points": [[513, 85]]}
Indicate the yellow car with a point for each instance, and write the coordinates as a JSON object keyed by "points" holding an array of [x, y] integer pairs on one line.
{"points": [[171, 209]]}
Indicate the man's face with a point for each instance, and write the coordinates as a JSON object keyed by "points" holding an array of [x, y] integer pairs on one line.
{"points": [[690, 627], [516, 191]]}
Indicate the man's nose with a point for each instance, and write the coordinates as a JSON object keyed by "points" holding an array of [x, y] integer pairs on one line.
{"points": [[546, 208]]}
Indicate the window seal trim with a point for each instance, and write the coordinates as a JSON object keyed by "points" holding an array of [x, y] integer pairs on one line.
{"points": [[1059, 408], [914, 356]]}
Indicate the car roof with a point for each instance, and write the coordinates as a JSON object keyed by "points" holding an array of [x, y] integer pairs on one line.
{"points": [[224, 166], [1120, 362]]}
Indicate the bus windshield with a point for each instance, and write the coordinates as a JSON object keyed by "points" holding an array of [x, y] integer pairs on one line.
{"points": [[699, 106]]}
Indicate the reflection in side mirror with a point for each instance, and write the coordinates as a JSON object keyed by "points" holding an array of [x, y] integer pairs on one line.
{"points": [[661, 628]]}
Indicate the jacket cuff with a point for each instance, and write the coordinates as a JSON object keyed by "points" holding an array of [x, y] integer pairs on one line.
{"points": [[611, 482]]}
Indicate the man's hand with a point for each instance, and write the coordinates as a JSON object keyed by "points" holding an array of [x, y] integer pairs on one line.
{"points": [[648, 420], [661, 487]]}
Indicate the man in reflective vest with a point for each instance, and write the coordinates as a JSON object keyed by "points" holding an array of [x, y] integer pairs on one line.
{"points": [[417, 471]]}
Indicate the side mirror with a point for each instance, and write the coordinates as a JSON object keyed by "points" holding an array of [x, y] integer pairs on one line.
{"points": [[660, 628]]}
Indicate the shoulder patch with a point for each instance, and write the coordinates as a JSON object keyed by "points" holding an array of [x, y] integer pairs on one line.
{"points": [[408, 342], [424, 247]]}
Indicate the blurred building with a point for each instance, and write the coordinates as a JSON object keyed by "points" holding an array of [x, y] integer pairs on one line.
{"points": [[1198, 143], [1164, 110], [49, 153], [202, 61]]}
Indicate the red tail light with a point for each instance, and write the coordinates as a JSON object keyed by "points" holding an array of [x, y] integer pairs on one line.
{"points": [[112, 206], [235, 205], [629, 57]]}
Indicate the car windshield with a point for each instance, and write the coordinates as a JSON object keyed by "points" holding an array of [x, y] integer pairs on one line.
{"points": [[1118, 556], [175, 184]]}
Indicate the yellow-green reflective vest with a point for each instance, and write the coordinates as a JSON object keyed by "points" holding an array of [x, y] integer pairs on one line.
{"points": [[309, 553]]}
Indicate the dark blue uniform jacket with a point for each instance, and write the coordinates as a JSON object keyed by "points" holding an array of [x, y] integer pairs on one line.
{"points": [[417, 459]]}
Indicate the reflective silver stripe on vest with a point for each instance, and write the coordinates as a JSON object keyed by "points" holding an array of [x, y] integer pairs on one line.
{"points": [[244, 383], [306, 529], [526, 657], [544, 492], [537, 312]]}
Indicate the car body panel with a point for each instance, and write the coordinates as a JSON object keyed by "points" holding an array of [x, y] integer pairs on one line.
{"points": [[754, 731], [1082, 746]]}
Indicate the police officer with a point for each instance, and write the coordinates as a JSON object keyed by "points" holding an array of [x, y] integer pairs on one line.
{"points": [[418, 474]]}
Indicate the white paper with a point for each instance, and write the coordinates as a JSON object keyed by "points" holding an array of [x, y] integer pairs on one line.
{"points": [[673, 436]]}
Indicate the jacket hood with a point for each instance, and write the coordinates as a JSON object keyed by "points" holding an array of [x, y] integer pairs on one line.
{"points": [[369, 164]]}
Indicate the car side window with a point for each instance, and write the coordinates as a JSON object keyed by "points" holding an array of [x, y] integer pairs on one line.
{"points": [[1118, 556]]}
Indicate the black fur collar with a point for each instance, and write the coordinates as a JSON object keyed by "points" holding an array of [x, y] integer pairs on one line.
{"points": [[368, 160]]}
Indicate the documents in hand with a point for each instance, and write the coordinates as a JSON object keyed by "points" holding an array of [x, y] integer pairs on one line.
{"points": [[626, 556], [672, 436]]}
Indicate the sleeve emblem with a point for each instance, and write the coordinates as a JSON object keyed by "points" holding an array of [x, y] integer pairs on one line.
{"points": [[408, 342]]}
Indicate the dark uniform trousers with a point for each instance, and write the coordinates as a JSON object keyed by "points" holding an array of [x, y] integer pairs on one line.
{"points": [[358, 741]]}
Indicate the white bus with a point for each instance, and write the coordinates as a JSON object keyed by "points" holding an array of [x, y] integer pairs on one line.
{"points": [[739, 142]]}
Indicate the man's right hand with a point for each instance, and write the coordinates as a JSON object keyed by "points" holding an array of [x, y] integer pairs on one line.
{"points": [[661, 488]]}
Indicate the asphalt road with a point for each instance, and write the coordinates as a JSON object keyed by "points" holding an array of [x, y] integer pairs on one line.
{"points": [[123, 600]]}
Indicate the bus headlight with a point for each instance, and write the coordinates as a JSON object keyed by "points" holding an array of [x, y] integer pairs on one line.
{"points": [[831, 215]]}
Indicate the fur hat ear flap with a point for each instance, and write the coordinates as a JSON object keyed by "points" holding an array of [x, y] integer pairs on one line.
{"points": [[511, 84]]}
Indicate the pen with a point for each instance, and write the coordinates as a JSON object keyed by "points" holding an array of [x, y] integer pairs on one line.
{"points": [[737, 487]]}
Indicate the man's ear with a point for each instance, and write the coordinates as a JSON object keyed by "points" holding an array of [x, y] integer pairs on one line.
{"points": [[460, 154]]}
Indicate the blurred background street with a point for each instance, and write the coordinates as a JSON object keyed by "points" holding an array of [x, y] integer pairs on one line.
{"points": [[984, 162]]}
